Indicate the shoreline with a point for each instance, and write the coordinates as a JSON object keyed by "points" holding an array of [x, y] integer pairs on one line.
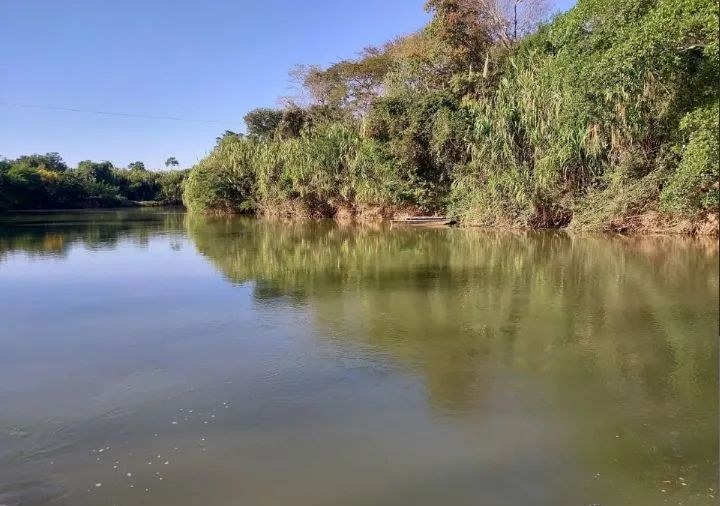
{"points": [[648, 224]]}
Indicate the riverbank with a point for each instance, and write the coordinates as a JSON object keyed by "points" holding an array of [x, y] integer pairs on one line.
{"points": [[649, 223], [91, 205], [605, 118]]}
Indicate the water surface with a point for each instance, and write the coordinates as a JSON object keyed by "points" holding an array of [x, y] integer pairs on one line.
{"points": [[153, 358]]}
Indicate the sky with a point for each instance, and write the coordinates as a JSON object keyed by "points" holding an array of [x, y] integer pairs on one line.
{"points": [[210, 60]]}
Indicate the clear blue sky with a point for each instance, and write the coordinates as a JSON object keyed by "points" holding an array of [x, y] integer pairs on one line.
{"points": [[209, 60]]}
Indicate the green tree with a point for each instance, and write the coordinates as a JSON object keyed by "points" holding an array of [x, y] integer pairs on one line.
{"points": [[25, 186], [5, 197], [263, 122], [294, 120], [48, 161], [102, 172], [138, 166], [227, 134], [171, 162], [172, 185]]}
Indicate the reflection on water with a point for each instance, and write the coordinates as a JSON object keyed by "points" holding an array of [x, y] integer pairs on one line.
{"points": [[274, 363], [45, 234]]}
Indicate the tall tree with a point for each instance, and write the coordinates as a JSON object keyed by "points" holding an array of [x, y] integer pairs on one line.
{"points": [[227, 135], [468, 28], [48, 161], [96, 171], [263, 122], [171, 162], [139, 166]]}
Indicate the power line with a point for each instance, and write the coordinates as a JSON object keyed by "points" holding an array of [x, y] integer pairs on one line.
{"points": [[107, 113]]}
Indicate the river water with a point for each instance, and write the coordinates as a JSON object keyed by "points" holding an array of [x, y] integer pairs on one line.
{"points": [[148, 357]]}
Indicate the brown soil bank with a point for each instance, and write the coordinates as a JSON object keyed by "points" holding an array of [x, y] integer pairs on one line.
{"points": [[341, 212], [649, 222], [658, 223]]}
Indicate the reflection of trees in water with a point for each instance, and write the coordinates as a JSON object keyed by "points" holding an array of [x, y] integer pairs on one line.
{"points": [[54, 234], [624, 327], [621, 330]]}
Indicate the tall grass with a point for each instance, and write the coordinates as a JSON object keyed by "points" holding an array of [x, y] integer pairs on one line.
{"points": [[607, 113], [315, 174], [587, 122]]}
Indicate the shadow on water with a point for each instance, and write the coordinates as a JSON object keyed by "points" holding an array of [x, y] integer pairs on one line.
{"points": [[618, 333]]}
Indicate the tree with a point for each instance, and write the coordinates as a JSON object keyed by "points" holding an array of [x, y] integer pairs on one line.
{"points": [[468, 28], [363, 78], [348, 84], [171, 186], [227, 134], [171, 162], [293, 121], [463, 31], [521, 17], [263, 122], [5, 197], [139, 166], [25, 185], [141, 184], [49, 161], [101, 172]]}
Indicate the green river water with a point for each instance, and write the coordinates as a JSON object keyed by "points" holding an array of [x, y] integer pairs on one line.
{"points": [[148, 357]]}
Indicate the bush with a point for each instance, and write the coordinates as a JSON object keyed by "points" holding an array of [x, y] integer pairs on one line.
{"points": [[694, 185], [172, 185], [590, 106], [224, 181]]}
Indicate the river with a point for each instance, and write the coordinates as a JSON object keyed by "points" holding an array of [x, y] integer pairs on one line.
{"points": [[149, 357]]}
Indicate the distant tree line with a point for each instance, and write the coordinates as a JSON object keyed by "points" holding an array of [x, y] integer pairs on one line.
{"points": [[499, 115], [46, 182]]}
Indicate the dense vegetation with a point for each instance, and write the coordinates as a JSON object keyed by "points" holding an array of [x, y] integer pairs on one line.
{"points": [[46, 182], [602, 118]]}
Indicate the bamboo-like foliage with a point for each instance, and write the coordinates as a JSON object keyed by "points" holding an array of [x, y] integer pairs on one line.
{"points": [[592, 106], [318, 172], [606, 113]]}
